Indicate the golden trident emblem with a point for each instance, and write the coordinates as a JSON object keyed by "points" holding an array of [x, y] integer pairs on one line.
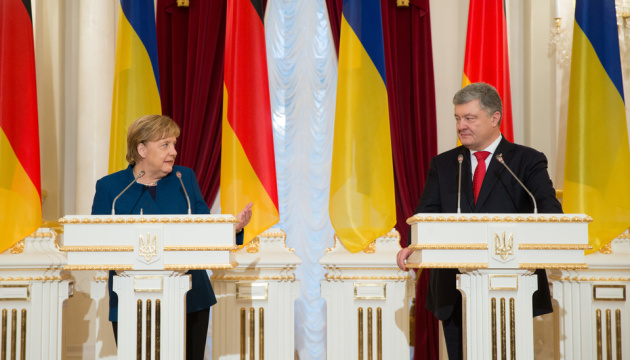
{"points": [[503, 248], [148, 248]]}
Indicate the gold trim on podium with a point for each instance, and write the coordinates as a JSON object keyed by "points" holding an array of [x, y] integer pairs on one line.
{"points": [[449, 247]]}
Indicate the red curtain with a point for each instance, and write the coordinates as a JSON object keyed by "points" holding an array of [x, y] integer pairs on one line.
{"points": [[191, 44], [411, 93]]}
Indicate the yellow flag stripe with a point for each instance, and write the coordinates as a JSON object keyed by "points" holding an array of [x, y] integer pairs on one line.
{"points": [[240, 185], [362, 204], [135, 90], [597, 164], [20, 204]]}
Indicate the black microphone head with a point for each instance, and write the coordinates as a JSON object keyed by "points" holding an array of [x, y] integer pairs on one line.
{"points": [[178, 174]]}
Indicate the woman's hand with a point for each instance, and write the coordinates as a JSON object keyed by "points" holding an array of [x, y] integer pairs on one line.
{"points": [[243, 218]]}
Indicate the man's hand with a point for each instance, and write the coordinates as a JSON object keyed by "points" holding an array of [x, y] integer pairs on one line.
{"points": [[244, 217], [403, 254]]}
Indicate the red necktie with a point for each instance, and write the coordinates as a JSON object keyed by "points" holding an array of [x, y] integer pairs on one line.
{"points": [[480, 172]]}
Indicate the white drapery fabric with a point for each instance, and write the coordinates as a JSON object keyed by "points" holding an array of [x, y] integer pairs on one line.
{"points": [[302, 64]]}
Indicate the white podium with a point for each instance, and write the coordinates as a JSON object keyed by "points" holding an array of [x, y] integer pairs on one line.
{"points": [[151, 255], [497, 255], [33, 288], [254, 314], [367, 301], [594, 321]]}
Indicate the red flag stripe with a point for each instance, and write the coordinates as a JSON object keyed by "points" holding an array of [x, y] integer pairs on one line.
{"points": [[18, 109], [245, 79]]}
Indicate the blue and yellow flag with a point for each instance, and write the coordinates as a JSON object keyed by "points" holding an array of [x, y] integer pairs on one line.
{"points": [[136, 79], [362, 205], [597, 160]]}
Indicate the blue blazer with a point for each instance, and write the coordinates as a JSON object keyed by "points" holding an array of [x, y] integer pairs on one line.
{"points": [[500, 193], [169, 199]]}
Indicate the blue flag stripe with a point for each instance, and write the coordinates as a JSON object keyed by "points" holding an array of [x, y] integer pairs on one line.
{"points": [[364, 17], [597, 19], [141, 16]]}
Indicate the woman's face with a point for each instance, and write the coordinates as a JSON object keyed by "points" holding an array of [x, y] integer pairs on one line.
{"points": [[158, 156]]}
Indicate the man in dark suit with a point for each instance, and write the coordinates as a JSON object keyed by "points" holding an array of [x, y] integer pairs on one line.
{"points": [[486, 187]]}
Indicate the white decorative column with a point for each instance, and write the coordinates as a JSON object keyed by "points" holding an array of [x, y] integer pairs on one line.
{"points": [[33, 287], [594, 310], [254, 316], [368, 299], [95, 79]]}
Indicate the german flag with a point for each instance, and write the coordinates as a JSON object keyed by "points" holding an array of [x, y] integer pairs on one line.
{"points": [[486, 58], [248, 167], [20, 184]]}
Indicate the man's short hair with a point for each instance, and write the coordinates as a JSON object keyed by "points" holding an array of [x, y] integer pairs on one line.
{"points": [[489, 99]]}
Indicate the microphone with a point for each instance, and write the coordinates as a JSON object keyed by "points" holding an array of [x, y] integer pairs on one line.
{"points": [[460, 158], [125, 189], [179, 176], [500, 159]]}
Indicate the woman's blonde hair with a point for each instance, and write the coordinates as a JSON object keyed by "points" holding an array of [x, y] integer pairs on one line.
{"points": [[148, 128]]}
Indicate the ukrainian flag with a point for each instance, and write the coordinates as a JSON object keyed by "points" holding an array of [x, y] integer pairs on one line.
{"points": [[136, 81], [597, 160], [362, 204]]}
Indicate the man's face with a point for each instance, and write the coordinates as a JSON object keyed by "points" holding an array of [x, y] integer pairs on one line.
{"points": [[476, 128]]}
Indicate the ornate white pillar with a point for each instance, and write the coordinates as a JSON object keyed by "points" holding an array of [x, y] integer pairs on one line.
{"points": [[367, 301], [254, 316], [33, 287], [97, 34], [594, 310]]}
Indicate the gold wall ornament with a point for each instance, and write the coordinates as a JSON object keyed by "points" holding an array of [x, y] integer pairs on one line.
{"points": [[449, 266], [261, 333], [229, 266], [200, 248], [123, 248], [370, 248], [402, 3], [336, 238], [598, 329], [147, 248], [554, 247], [606, 249], [552, 266], [3, 339], [243, 339], [360, 332], [503, 247], [449, 247], [618, 332], [493, 324], [183, 3], [252, 333], [18, 248], [253, 246]]}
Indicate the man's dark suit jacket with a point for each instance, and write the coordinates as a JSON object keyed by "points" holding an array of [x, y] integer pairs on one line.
{"points": [[500, 193]]}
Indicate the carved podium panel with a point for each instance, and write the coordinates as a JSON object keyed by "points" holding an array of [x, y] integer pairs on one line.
{"points": [[497, 255], [151, 254]]}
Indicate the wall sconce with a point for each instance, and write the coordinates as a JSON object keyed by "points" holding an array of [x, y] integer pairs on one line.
{"points": [[623, 28], [559, 43]]}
